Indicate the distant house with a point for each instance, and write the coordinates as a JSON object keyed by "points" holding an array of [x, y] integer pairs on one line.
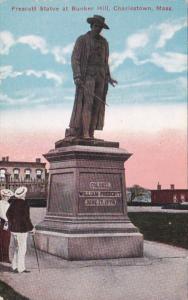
{"points": [[145, 197], [31, 174], [168, 196]]}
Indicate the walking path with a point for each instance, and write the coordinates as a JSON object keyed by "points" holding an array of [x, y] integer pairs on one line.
{"points": [[162, 274]]}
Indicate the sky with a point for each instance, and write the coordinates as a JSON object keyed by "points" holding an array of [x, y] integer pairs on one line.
{"points": [[147, 110]]}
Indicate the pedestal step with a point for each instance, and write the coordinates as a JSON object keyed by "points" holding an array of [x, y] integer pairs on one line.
{"points": [[90, 246]]}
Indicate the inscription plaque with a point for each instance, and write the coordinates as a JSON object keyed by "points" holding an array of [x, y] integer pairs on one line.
{"points": [[100, 202], [100, 193], [100, 185]]}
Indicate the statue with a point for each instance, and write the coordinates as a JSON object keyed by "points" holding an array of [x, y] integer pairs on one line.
{"points": [[91, 76], [87, 193]]}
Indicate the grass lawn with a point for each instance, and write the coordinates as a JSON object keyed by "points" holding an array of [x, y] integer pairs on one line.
{"points": [[168, 228], [8, 293]]}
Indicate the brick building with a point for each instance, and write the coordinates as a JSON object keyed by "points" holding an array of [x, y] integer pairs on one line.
{"points": [[168, 196], [31, 174]]}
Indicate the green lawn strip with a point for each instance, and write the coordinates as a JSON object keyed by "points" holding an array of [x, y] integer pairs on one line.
{"points": [[169, 228], [8, 293]]}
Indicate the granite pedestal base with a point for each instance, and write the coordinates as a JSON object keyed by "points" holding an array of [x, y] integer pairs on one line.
{"points": [[90, 246], [86, 208]]}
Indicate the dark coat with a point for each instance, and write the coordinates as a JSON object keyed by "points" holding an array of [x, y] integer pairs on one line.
{"points": [[4, 242], [79, 59], [18, 216]]}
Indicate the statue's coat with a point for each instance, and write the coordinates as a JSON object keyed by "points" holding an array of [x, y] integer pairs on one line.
{"points": [[79, 61]]}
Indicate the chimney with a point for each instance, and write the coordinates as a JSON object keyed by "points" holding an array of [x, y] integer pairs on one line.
{"points": [[38, 160], [158, 186], [172, 186], [3, 158], [7, 158]]}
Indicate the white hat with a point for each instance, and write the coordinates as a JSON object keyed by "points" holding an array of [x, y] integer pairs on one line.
{"points": [[20, 192], [6, 193]]}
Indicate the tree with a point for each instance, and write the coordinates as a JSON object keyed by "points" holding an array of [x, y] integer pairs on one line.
{"points": [[136, 190]]}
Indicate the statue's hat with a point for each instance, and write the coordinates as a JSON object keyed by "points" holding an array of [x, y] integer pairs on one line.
{"points": [[98, 19]]}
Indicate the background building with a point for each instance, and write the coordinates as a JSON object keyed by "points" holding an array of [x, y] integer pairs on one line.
{"points": [[33, 175], [168, 196]]}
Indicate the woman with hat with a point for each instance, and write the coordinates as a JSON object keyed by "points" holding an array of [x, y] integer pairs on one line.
{"points": [[4, 230], [20, 224]]}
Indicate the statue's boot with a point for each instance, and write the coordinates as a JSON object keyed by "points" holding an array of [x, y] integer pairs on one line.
{"points": [[91, 133], [86, 136], [85, 133]]}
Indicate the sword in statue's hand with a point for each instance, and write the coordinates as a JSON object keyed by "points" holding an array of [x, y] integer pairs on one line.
{"points": [[79, 82], [93, 95]]}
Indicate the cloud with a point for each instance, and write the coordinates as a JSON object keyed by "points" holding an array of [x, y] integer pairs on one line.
{"points": [[137, 40], [168, 30], [145, 44], [60, 53], [39, 96], [181, 81], [135, 119], [35, 42], [118, 58], [171, 62], [6, 42], [146, 118], [133, 43], [7, 71], [153, 91], [30, 98], [58, 79], [5, 99], [69, 98]]}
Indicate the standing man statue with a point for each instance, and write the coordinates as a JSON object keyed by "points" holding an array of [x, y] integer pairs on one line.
{"points": [[91, 76]]}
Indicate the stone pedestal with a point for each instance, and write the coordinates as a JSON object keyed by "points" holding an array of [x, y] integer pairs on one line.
{"points": [[86, 208]]}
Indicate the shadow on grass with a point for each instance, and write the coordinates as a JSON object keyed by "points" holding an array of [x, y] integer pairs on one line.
{"points": [[8, 293], [168, 228]]}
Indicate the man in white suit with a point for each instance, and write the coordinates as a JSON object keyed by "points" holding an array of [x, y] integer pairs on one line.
{"points": [[19, 224]]}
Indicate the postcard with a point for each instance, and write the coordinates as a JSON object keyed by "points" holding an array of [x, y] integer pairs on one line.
{"points": [[139, 87]]}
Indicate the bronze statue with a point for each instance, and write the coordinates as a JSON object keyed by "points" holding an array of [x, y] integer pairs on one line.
{"points": [[91, 76]]}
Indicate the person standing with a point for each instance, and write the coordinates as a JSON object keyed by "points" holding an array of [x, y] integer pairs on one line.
{"points": [[19, 224], [4, 229], [91, 76]]}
